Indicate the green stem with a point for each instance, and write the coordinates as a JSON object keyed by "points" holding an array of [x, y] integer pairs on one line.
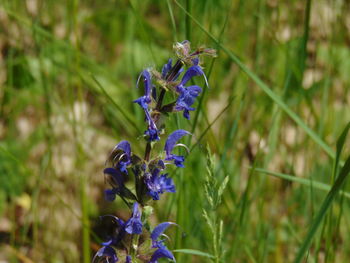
{"points": [[134, 246]]}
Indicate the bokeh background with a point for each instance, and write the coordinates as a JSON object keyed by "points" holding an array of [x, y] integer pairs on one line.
{"points": [[58, 124]]}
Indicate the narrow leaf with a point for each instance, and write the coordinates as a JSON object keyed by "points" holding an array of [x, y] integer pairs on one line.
{"points": [[313, 135], [339, 182], [303, 181], [323, 210], [194, 252]]}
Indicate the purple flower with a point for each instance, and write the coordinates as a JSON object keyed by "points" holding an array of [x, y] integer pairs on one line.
{"points": [[118, 235], [134, 224], [115, 178], [110, 194], [195, 61], [107, 253], [186, 99], [159, 230], [122, 155], [158, 184], [170, 144], [190, 73], [152, 132], [166, 68], [162, 251], [187, 95], [146, 99], [161, 164], [128, 259]]}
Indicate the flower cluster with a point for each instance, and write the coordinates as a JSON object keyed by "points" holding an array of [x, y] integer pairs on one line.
{"points": [[129, 241], [133, 226]]}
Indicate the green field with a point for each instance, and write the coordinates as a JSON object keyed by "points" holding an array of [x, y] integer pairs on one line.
{"points": [[274, 117]]}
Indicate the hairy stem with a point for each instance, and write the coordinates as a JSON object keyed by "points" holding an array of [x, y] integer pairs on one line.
{"points": [[148, 151]]}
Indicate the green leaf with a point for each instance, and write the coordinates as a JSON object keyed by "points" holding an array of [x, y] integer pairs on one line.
{"points": [[303, 181], [340, 145], [194, 252], [119, 108], [344, 172], [269, 92]]}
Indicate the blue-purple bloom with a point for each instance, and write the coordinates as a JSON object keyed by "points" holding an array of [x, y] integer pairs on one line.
{"points": [[110, 194], [108, 253], [128, 259], [166, 68], [187, 95], [118, 235], [195, 61], [158, 231], [146, 99], [162, 251], [117, 182], [170, 144], [166, 71], [115, 175], [161, 164], [125, 157], [148, 176], [158, 184], [152, 130], [190, 73], [134, 224]]}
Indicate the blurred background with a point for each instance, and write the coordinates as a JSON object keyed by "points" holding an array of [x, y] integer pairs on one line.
{"points": [[67, 81]]}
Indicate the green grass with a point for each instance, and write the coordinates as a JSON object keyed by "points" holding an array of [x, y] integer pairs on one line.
{"points": [[273, 117]]}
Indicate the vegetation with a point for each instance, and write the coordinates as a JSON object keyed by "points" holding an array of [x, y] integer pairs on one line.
{"points": [[275, 117]]}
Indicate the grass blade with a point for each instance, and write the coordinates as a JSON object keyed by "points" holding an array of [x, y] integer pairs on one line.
{"points": [[194, 252], [127, 117], [323, 210], [343, 174], [303, 181], [340, 145], [314, 136], [211, 124]]}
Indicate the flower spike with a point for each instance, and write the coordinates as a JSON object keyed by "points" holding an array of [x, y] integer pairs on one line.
{"points": [[147, 176]]}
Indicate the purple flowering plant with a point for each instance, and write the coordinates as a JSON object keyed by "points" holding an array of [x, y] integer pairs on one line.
{"points": [[130, 241]]}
